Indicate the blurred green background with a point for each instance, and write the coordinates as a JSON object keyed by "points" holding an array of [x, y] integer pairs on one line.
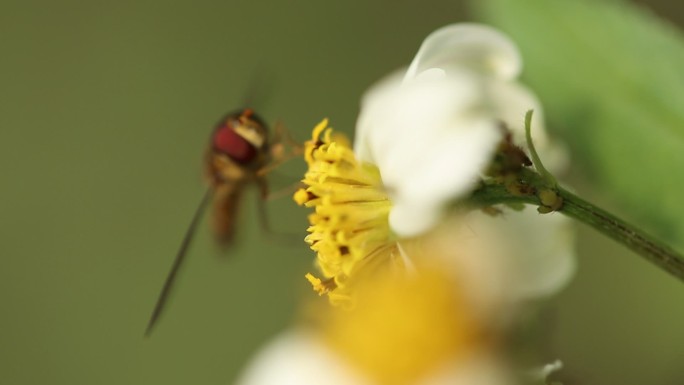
{"points": [[105, 109]]}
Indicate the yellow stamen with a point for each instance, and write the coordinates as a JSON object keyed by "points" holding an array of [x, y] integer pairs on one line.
{"points": [[319, 286], [349, 228]]}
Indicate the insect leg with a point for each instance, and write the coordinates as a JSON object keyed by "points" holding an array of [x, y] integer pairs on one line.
{"points": [[277, 152], [290, 238], [178, 261]]}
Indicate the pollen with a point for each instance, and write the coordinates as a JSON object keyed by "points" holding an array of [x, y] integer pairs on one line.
{"points": [[349, 228]]}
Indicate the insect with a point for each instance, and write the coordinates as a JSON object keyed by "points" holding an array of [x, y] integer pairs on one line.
{"points": [[239, 154]]}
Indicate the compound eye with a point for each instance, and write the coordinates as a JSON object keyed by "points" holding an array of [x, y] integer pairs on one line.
{"points": [[229, 142]]}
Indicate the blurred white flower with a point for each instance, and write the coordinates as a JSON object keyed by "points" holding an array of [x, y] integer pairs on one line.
{"points": [[405, 330], [300, 358]]}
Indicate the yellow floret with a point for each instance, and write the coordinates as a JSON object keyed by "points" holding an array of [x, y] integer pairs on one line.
{"points": [[350, 223]]}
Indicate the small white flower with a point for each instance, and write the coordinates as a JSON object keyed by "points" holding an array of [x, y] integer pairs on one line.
{"points": [[433, 130]]}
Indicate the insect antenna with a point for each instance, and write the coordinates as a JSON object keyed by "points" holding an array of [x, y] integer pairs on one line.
{"points": [[260, 87], [178, 261]]}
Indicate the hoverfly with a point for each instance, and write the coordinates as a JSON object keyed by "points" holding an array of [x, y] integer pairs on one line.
{"points": [[239, 154]]}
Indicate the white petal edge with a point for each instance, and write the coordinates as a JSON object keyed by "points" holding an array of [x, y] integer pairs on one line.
{"points": [[471, 45], [297, 358]]}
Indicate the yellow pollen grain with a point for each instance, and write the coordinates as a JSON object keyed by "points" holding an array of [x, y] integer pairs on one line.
{"points": [[301, 196]]}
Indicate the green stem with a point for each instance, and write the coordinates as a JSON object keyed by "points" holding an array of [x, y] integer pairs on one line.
{"points": [[646, 246], [643, 244]]}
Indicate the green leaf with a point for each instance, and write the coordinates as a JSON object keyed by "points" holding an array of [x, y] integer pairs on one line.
{"points": [[611, 78]]}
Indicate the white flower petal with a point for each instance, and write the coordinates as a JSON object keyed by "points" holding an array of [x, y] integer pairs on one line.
{"points": [[433, 131], [429, 139], [467, 45], [537, 249], [403, 218], [298, 358]]}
